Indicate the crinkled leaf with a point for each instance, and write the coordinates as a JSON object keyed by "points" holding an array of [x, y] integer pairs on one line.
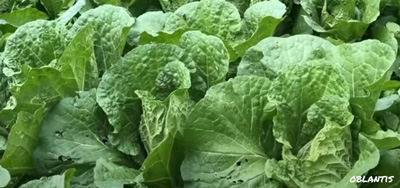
{"points": [[111, 25], [271, 55], [138, 70], [216, 17], [35, 44], [172, 5], [209, 54]]}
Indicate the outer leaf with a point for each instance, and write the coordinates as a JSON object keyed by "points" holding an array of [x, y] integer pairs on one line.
{"points": [[35, 44], [56, 181], [108, 174], [216, 17], [22, 141], [209, 54], [111, 25], [227, 137], [73, 133], [138, 70], [302, 95]]}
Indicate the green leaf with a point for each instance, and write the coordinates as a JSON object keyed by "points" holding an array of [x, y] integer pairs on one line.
{"points": [[74, 133], [227, 137], [111, 25], [20, 17], [209, 54], [138, 70], [53, 7], [389, 164], [162, 166], [4, 177], [108, 174], [56, 181], [22, 140]]}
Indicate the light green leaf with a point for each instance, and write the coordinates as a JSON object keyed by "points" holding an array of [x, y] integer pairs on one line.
{"points": [[209, 54], [304, 95], [138, 70], [150, 22], [385, 140], [74, 133], [56, 181], [227, 137], [256, 13], [111, 25], [160, 118], [108, 174], [216, 17], [273, 54], [78, 61]]}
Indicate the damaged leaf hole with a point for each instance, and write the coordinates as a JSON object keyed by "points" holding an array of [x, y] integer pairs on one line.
{"points": [[65, 158], [59, 134]]}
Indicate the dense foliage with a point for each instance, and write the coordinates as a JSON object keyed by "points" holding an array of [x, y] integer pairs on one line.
{"points": [[210, 93]]}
